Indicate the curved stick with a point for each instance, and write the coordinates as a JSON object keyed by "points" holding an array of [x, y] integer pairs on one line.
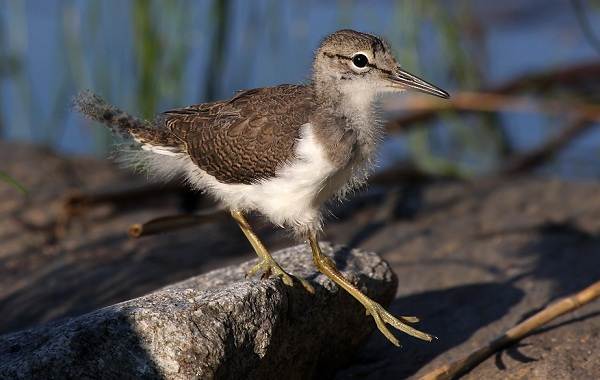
{"points": [[551, 312]]}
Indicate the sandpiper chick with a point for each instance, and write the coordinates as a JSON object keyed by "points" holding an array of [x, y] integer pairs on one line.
{"points": [[282, 151]]}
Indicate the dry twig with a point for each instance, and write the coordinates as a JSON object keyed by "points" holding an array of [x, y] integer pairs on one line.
{"points": [[75, 203], [175, 222], [563, 76], [551, 312], [537, 156], [422, 108]]}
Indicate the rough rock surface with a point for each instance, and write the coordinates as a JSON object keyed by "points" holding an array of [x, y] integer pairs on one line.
{"points": [[217, 325]]}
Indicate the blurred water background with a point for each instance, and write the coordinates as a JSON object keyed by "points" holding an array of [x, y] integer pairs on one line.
{"points": [[147, 56]]}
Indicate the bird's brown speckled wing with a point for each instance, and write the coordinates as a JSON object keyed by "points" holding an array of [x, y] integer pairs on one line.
{"points": [[246, 138]]}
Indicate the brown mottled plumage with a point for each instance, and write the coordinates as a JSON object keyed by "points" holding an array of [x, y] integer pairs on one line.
{"points": [[245, 138], [240, 140]]}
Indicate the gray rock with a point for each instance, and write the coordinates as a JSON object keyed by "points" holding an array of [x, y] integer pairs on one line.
{"points": [[217, 325]]}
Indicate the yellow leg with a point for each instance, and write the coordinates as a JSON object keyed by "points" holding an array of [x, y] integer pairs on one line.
{"points": [[380, 315], [267, 264]]}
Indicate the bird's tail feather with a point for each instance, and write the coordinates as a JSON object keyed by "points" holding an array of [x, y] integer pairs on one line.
{"points": [[95, 108], [144, 132]]}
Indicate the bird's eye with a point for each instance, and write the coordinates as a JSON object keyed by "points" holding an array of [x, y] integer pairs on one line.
{"points": [[360, 60]]}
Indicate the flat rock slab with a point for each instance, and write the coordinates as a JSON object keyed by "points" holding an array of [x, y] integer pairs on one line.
{"points": [[216, 325]]}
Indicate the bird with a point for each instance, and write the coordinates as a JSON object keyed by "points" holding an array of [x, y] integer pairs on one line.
{"points": [[282, 151]]}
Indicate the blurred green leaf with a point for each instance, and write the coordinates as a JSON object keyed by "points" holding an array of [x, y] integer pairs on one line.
{"points": [[148, 47], [13, 182], [220, 12]]}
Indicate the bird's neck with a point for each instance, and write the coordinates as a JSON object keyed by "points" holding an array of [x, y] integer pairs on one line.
{"points": [[352, 102], [359, 114]]}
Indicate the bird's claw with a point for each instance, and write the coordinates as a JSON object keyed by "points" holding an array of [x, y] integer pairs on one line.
{"points": [[383, 317], [270, 267], [403, 318]]}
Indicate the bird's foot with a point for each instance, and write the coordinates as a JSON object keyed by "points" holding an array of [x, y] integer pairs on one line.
{"points": [[382, 316], [269, 267]]}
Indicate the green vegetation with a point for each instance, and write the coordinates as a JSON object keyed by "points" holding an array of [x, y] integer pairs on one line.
{"points": [[4, 177]]}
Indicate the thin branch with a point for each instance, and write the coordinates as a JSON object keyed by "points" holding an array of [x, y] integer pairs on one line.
{"points": [[175, 222], [515, 164], [535, 157], [555, 77], [523, 329], [421, 108], [585, 25], [75, 203]]}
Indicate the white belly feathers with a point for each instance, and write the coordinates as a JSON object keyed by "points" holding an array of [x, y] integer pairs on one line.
{"points": [[292, 198]]}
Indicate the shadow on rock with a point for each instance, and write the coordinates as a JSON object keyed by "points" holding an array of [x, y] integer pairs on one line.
{"points": [[566, 255], [452, 314]]}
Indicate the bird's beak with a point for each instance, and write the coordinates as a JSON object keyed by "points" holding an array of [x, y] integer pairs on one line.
{"points": [[408, 80]]}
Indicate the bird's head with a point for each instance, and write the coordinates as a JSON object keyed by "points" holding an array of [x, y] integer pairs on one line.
{"points": [[361, 66]]}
